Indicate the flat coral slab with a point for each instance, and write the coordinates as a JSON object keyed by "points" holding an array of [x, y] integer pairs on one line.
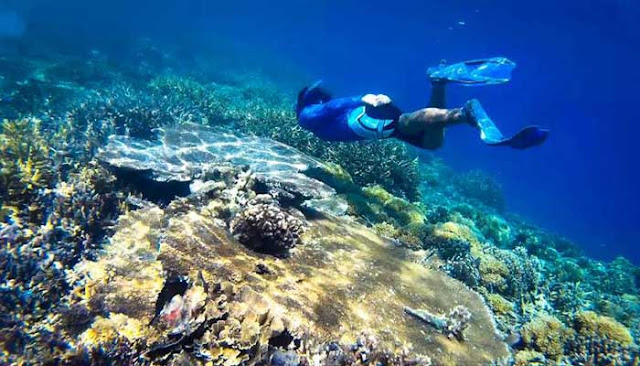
{"points": [[341, 281]]}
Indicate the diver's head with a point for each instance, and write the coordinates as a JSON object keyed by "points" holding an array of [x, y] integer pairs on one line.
{"points": [[310, 95]]}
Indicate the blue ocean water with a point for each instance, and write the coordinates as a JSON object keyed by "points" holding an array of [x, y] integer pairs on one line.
{"points": [[577, 74]]}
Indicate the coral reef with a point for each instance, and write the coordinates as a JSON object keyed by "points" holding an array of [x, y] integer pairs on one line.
{"points": [[37, 259], [339, 260], [590, 339], [177, 241]]}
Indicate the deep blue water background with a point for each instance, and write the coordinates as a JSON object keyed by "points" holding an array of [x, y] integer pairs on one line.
{"points": [[577, 73]]}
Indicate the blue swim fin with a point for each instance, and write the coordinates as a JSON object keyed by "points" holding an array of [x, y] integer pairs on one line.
{"points": [[525, 138], [490, 71]]}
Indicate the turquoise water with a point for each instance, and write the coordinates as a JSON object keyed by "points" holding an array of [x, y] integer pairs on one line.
{"points": [[139, 136]]}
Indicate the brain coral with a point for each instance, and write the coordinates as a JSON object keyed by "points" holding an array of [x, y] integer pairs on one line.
{"points": [[267, 228]]}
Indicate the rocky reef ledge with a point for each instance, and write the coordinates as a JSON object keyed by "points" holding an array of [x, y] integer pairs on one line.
{"points": [[179, 283]]}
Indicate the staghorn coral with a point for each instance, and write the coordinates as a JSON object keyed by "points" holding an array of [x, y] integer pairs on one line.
{"points": [[263, 111], [618, 278], [267, 228], [25, 158], [47, 305], [513, 274], [591, 339]]}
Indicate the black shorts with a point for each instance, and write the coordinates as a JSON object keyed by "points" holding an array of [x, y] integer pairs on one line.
{"points": [[386, 112]]}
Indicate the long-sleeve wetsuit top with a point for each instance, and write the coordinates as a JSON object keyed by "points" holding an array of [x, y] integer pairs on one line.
{"points": [[330, 120]]}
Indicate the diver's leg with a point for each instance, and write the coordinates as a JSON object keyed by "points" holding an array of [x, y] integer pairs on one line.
{"points": [[438, 95], [424, 128], [422, 119]]}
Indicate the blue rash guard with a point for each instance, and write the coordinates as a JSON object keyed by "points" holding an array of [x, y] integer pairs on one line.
{"points": [[347, 119]]}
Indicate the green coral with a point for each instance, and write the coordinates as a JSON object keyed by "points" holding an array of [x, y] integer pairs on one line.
{"points": [[512, 273], [402, 220], [499, 304], [401, 210], [528, 357], [494, 273]]}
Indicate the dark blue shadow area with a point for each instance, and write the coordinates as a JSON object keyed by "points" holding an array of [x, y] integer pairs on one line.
{"points": [[577, 74]]}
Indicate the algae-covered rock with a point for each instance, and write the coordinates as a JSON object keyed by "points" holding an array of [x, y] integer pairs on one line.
{"points": [[342, 280]]}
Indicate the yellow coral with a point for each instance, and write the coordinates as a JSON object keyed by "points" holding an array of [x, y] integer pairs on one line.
{"points": [[385, 229], [401, 210], [104, 330], [347, 281], [528, 357], [493, 272], [378, 193], [546, 334], [454, 231], [24, 158], [499, 304], [337, 172], [588, 323]]}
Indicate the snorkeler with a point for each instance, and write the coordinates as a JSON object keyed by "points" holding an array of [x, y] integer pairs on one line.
{"points": [[372, 117]]}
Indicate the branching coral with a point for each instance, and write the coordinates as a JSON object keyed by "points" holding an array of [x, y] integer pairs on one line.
{"points": [[25, 158], [58, 208], [546, 334], [590, 324], [514, 274], [592, 339], [601, 340]]}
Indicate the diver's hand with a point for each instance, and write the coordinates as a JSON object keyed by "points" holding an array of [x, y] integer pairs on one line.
{"points": [[376, 100]]}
